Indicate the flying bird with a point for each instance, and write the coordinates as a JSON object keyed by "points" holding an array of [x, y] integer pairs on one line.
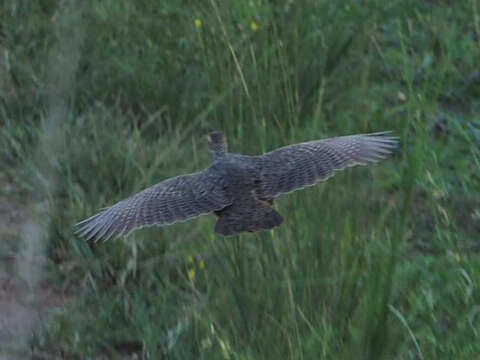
{"points": [[237, 188]]}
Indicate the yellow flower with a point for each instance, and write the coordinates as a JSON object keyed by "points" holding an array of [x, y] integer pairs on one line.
{"points": [[254, 26], [198, 23], [201, 264], [191, 273]]}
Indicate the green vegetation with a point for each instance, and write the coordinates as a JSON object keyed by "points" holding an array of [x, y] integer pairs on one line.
{"points": [[100, 99]]}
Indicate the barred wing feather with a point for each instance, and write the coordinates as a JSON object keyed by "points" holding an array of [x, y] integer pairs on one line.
{"points": [[176, 199], [296, 166]]}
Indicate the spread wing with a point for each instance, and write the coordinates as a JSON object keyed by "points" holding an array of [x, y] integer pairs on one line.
{"points": [[296, 166], [176, 199]]}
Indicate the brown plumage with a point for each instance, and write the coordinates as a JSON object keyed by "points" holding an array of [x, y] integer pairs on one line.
{"points": [[239, 189]]}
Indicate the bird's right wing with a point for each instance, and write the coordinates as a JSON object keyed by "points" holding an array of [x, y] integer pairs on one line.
{"points": [[176, 199], [296, 166]]}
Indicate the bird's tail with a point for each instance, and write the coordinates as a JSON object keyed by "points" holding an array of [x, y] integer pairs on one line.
{"points": [[259, 217]]}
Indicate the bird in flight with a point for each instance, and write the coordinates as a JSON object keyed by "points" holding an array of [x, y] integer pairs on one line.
{"points": [[237, 188]]}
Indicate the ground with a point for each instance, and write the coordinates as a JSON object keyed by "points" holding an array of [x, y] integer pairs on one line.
{"points": [[26, 299]]}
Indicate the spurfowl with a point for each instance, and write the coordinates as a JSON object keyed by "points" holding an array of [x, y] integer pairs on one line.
{"points": [[239, 189]]}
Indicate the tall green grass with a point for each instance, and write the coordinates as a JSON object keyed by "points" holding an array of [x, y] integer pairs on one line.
{"points": [[106, 98]]}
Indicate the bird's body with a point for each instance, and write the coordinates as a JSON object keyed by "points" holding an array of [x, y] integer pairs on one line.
{"points": [[238, 188], [248, 211]]}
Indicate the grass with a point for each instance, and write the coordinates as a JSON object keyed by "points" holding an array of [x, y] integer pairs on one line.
{"points": [[103, 99]]}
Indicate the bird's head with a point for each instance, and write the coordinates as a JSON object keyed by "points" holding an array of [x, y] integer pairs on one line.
{"points": [[217, 143]]}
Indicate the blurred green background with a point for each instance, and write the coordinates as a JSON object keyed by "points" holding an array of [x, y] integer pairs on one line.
{"points": [[100, 99]]}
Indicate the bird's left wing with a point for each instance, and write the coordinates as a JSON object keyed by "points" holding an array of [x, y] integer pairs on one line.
{"points": [[296, 166], [176, 199]]}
